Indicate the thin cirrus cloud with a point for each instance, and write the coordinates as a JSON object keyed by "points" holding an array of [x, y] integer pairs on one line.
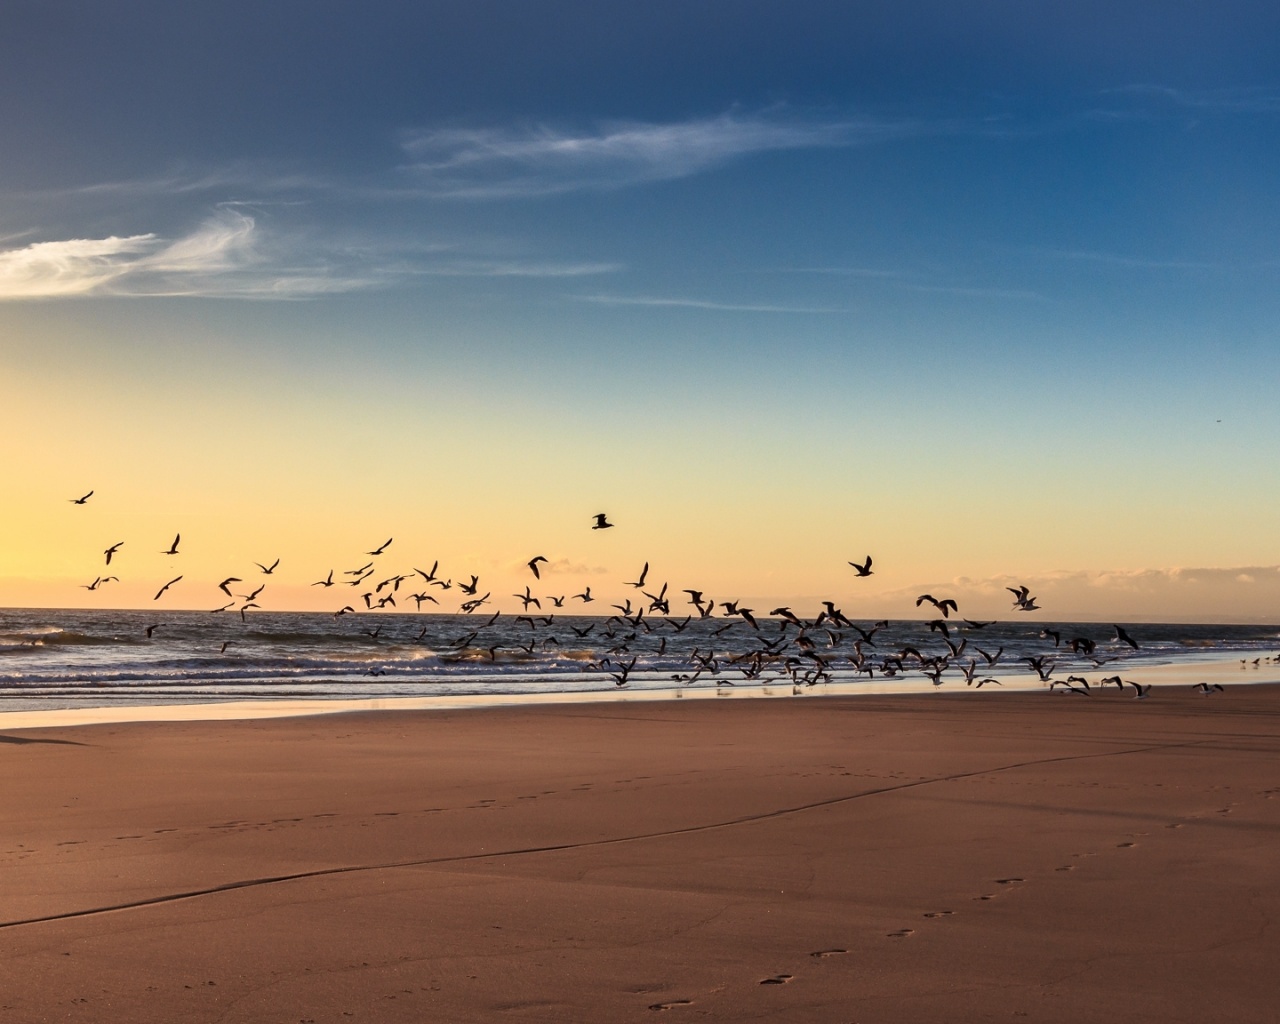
{"points": [[224, 257], [498, 163], [726, 307], [229, 256]]}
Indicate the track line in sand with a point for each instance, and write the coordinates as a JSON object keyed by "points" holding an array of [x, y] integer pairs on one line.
{"points": [[461, 858]]}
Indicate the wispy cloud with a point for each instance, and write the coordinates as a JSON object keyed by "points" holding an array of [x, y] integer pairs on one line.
{"points": [[1256, 100], [538, 160], [230, 255], [1121, 260], [515, 268], [225, 257], [729, 307]]}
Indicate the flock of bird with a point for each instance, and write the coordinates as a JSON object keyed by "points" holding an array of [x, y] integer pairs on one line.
{"points": [[803, 651]]}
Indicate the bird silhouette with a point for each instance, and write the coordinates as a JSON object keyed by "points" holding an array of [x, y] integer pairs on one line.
{"points": [[173, 548], [112, 550], [81, 500], [1124, 638], [533, 565], [602, 523], [166, 587], [864, 569], [385, 544], [268, 570]]}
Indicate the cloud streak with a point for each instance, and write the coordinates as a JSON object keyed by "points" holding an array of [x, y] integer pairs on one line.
{"points": [[226, 257], [230, 256], [538, 160], [728, 307]]}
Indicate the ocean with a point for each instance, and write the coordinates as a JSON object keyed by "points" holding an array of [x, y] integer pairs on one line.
{"points": [[53, 659]]}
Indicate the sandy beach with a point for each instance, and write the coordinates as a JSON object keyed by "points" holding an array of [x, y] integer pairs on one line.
{"points": [[942, 857]]}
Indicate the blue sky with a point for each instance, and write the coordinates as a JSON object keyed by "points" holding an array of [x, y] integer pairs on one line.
{"points": [[880, 254]]}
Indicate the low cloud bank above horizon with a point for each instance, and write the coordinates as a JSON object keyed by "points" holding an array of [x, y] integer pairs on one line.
{"points": [[1236, 594]]}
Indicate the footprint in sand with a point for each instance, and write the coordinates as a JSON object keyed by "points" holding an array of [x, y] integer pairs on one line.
{"points": [[777, 979], [1009, 881], [985, 896], [1066, 867], [901, 933], [1175, 824], [1125, 846], [670, 1003], [828, 952], [939, 913]]}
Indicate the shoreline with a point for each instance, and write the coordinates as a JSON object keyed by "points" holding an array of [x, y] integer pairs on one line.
{"points": [[1226, 670]]}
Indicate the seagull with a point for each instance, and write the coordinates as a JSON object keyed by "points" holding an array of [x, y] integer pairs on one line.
{"points": [[81, 501], [112, 550], [223, 586], [864, 569], [173, 548], [1124, 638], [1023, 600], [946, 606], [602, 523], [585, 597], [386, 544], [640, 582], [1208, 688], [94, 585], [533, 565], [151, 629], [166, 587], [268, 569], [325, 582], [528, 599], [1141, 692]]}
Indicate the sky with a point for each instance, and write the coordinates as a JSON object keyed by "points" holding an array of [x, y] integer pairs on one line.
{"points": [[986, 292]]}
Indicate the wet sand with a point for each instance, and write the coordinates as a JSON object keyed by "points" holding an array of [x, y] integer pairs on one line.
{"points": [[940, 857]]}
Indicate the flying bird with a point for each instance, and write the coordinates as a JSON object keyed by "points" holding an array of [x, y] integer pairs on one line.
{"points": [[268, 569], [946, 606], [328, 582], [173, 548], [602, 523], [533, 565], [1124, 638], [386, 544], [224, 586], [81, 501], [166, 587], [640, 582], [112, 550], [864, 569]]}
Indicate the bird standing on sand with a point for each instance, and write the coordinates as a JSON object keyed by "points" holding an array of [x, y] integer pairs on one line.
{"points": [[602, 523]]}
